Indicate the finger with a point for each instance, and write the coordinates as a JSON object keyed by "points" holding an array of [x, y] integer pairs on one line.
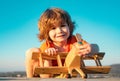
{"points": [[45, 51], [83, 51], [48, 51], [55, 51], [86, 48], [89, 48], [52, 51]]}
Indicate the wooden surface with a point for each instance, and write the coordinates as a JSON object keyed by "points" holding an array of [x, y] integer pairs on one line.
{"points": [[51, 70]]}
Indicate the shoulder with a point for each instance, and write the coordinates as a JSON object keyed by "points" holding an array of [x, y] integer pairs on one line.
{"points": [[45, 45]]}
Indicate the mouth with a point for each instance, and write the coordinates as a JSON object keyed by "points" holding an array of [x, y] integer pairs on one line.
{"points": [[60, 36]]}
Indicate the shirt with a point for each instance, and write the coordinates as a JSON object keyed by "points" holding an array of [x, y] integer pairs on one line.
{"points": [[46, 45]]}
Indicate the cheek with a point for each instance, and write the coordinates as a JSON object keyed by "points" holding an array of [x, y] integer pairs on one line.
{"points": [[67, 31], [51, 34]]}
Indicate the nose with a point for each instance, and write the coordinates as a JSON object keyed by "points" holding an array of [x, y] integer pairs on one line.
{"points": [[59, 29]]}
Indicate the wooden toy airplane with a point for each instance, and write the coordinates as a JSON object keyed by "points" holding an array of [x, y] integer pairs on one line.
{"points": [[74, 64]]}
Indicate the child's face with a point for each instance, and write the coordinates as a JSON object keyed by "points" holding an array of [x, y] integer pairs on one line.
{"points": [[59, 34]]}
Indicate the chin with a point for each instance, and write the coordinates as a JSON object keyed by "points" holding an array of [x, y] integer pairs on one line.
{"points": [[61, 40]]}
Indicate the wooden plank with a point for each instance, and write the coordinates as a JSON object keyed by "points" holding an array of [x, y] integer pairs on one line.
{"points": [[59, 60], [41, 61], [96, 69], [100, 56], [51, 70], [86, 70], [63, 55], [35, 55]]}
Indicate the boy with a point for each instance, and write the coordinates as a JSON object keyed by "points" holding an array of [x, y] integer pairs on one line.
{"points": [[56, 28]]}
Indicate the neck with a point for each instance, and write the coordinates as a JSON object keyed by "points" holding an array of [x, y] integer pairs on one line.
{"points": [[60, 44]]}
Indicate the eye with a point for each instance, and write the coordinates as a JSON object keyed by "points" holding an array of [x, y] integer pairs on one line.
{"points": [[63, 25], [53, 28]]}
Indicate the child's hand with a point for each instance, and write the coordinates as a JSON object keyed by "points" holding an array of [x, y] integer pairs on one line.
{"points": [[51, 51], [82, 49]]}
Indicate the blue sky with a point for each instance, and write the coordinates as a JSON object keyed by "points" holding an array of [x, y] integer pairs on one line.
{"points": [[98, 21]]}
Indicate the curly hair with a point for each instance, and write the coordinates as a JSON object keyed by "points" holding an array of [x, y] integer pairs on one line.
{"points": [[53, 17]]}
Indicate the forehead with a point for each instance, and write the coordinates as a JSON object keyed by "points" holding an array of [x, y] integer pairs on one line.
{"points": [[56, 22]]}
